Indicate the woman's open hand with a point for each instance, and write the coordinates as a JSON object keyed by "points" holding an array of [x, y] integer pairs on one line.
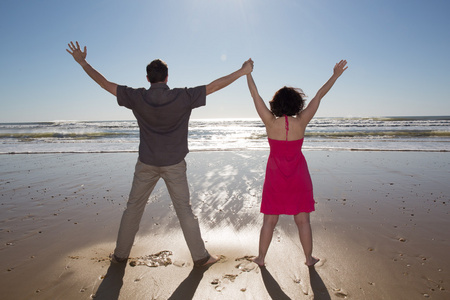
{"points": [[340, 67]]}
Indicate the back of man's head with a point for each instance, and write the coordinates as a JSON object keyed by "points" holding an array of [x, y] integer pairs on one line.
{"points": [[157, 71]]}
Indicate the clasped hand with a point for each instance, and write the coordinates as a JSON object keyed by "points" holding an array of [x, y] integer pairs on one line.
{"points": [[248, 66]]}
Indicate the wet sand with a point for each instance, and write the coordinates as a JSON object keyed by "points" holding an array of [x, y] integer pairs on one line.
{"points": [[381, 229]]}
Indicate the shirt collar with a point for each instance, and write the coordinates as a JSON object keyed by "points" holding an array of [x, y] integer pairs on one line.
{"points": [[159, 85]]}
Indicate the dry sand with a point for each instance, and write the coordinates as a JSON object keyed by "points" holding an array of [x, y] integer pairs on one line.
{"points": [[381, 229]]}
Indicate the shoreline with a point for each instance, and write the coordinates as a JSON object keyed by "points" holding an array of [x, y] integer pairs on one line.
{"points": [[379, 228], [234, 150]]}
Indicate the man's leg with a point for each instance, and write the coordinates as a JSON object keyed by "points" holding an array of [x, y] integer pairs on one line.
{"points": [[177, 185], [144, 181]]}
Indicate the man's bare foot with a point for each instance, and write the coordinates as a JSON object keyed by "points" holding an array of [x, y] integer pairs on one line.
{"points": [[212, 259], [258, 261], [117, 260], [311, 262]]}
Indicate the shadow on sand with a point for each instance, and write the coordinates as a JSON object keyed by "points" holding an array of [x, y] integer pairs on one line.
{"points": [[272, 287], [187, 288], [319, 289], [110, 287]]}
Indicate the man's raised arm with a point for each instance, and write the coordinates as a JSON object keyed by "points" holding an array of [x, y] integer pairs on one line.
{"points": [[222, 82], [80, 57]]}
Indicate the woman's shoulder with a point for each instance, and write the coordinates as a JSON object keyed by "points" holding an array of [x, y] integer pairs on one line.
{"points": [[302, 119]]}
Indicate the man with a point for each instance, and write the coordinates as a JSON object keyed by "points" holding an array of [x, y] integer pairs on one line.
{"points": [[163, 116]]}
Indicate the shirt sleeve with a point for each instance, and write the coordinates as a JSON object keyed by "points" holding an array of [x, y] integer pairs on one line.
{"points": [[127, 96], [197, 96]]}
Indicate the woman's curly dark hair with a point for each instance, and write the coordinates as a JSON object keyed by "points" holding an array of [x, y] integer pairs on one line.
{"points": [[287, 101]]}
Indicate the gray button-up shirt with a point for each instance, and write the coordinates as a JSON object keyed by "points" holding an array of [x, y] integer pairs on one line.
{"points": [[163, 118]]}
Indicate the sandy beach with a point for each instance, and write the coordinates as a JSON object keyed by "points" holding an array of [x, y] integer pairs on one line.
{"points": [[381, 229]]}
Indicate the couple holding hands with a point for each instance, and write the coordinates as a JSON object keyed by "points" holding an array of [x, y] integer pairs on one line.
{"points": [[163, 116]]}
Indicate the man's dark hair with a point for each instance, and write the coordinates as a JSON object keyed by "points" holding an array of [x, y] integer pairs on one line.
{"points": [[157, 71], [287, 101]]}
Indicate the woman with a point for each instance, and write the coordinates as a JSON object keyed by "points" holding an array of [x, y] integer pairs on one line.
{"points": [[287, 186]]}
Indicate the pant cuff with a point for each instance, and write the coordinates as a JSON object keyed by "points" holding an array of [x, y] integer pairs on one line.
{"points": [[201, 262]]}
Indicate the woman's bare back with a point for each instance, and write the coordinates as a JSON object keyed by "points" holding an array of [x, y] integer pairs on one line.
{"points": [[276, 130]]}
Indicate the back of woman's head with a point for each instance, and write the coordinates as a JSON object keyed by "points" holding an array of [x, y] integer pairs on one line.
{"points": [[287, 101]]}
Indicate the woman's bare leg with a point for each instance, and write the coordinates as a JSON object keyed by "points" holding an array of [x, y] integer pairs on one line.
{"points": [[269, 223], [305, 233]]}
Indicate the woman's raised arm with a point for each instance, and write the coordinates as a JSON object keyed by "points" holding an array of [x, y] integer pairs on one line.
{"points": [[264, 113], [308, 113]]}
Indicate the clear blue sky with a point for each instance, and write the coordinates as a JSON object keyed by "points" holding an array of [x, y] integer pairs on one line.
{"points": [[398, 54]]}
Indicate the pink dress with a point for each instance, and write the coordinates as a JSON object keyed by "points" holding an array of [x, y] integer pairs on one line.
{"points": [[287, 187]]}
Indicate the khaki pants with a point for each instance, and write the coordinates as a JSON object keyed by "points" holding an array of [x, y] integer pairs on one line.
{"points": [[144, 181]]}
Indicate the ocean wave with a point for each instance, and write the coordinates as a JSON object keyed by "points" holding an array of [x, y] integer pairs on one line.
{"points": [[380, 133], [58, 135], [226, 149], [253, 136], [388, 134]]}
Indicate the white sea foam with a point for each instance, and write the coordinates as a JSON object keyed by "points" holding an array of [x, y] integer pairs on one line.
{"points": [[383, 134]]}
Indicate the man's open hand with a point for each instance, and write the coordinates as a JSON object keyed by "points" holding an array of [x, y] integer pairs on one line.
{"points": [[75, 51]]}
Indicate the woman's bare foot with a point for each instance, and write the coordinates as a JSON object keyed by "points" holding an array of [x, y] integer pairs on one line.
{"points": [[312, 261], [258, 261], [212, 259]]}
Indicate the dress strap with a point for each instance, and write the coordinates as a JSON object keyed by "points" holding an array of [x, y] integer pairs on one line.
{"points": [[286, 125]]}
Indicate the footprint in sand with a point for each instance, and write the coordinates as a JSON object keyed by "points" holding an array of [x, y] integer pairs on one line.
{"points": [[153, 260], [303, 287], [222, 259], [219, 284], [321, 262], [230, 277], [246, 263], [340, 293]]}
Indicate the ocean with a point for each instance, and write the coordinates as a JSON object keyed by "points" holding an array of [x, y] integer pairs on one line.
{"points": [[357, 134]]}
